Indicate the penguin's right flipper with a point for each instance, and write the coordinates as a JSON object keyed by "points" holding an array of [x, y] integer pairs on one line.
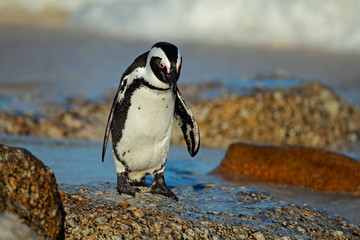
{"points": [[108, 125], [187, 123], [138, 62]]}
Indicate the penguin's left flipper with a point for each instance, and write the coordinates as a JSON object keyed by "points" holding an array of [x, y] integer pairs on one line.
{"points": [[187, 124]]}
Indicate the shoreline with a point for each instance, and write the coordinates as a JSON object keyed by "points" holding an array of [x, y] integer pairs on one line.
{"points": [[310, 114], [60, 84], [93, 210]]}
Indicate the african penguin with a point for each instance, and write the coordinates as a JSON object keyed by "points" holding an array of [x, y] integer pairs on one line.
{"points": [[141, 119]]}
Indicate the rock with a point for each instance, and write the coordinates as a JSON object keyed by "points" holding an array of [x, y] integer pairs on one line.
{"points": [[12, 229], [310, 114], [297, 165], [28, 189], [237, 214]]}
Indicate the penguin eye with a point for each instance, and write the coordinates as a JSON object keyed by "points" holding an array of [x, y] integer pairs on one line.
{"points": [[164, 66]]}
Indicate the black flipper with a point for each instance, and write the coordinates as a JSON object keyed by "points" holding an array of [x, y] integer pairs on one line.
{"points": [[140, 61], [187, 124], [108, 125]]}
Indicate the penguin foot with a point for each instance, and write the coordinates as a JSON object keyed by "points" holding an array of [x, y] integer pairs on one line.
{"points": [[127, 189], [164, 191], [124, 187], [159, 187]]}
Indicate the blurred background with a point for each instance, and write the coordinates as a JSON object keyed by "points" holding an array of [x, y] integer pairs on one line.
{"points": [[331, 25], [64, 44]]}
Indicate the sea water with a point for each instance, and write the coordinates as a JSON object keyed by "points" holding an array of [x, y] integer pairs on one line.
{"points": [[79, 162]]}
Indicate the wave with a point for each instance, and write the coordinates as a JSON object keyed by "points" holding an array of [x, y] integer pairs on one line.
{"points": [[327, 25]]}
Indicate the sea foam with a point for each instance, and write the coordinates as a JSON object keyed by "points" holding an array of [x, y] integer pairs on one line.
{"points": [[328, 25]]}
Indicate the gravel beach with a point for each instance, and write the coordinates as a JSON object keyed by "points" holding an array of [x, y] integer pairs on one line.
{"points": [[96, 211]]}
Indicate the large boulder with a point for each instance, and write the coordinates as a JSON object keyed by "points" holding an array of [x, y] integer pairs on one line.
{"points": [[310, 114], [296, 165], [28, 189]]}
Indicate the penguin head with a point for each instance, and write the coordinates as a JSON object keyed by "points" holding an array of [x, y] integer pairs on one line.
{"points": [[165, 61]]}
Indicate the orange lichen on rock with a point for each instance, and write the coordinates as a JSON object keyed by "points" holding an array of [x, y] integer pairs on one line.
{"points": [[296, 165], [124, 204], [162, 214]]}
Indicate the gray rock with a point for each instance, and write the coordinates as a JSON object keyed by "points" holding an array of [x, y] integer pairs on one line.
{"points": [[12, 229]]}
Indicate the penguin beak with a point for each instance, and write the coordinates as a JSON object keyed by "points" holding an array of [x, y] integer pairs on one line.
{"points": [[172, 76], [173, 85]]}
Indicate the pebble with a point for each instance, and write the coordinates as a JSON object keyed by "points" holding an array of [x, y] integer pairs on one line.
{"points": [[138, 213], [259, 236], [101, 220]]}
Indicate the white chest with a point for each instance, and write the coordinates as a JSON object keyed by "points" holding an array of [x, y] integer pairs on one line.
{"points": [[151, 113], [146, 135]]}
